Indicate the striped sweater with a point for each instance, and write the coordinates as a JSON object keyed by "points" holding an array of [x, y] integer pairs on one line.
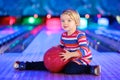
{"points": [[77, 42]]}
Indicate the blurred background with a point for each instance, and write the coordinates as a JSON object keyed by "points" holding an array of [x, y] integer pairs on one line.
{"points": [[92, 10]]}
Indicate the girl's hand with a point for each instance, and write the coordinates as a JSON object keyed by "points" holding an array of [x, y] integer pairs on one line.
{"points": [[65, 56]]}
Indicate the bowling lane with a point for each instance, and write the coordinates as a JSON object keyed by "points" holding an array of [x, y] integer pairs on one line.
{"points": [[18, 44], [10, 36], [7, 31], [112, 34], [103, 43], [98, 45], [43, 41]]}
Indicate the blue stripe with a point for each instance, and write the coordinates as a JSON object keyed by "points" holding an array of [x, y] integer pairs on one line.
{"points": [[82, 51], [80, 35], [81, 62], [90, 58], [70, 41], [84, 45]]}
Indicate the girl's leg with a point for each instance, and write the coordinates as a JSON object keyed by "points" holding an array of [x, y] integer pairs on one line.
{"points": [[35, 65], [74, 68], [29, 65]]}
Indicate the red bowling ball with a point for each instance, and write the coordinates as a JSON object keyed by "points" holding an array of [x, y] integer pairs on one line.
{"points": [[53, 61]]}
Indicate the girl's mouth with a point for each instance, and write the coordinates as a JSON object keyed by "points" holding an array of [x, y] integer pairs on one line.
{"points": [[65, 26]]}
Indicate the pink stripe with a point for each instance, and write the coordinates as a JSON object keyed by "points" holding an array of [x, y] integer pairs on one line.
{"points": [[88, 55]]}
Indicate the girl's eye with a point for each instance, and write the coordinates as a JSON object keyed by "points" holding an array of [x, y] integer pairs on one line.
{"points": [[69, 20]]}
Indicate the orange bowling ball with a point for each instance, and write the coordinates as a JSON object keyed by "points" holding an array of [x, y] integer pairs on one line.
{"points": [[53, 61]]}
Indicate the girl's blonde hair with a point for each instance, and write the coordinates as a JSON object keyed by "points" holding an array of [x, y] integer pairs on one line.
{"points": [[74, 15]]}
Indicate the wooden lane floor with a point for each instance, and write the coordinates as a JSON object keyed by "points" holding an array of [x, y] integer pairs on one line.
{"points": [[109, 62]]}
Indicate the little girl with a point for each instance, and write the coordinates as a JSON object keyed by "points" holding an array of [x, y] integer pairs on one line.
{"points": [[75, 44]]}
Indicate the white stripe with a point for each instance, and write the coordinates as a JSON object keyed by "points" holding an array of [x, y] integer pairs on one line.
{"points": [[72, 48], [88, 56], [68, 38], [82, 43], [84, 62], [82, 33], [85, 52]]}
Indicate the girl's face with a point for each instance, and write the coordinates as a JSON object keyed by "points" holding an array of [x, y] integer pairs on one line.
{"points": [[68, 24]]}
